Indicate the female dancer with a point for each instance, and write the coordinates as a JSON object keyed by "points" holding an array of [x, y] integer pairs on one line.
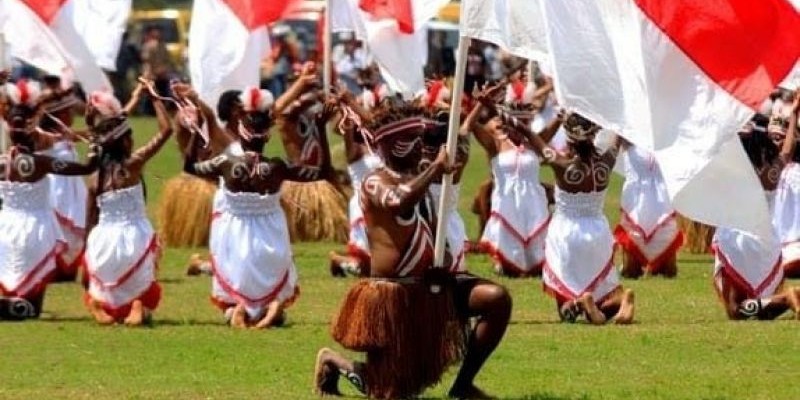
{"points": [[30, 238], [514, 234], [251, 256], [648, 229], [747, 269], [122, 249], [68, 194], [786, 217]]}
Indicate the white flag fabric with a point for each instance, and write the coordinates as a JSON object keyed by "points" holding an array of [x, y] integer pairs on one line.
{"points": [[679, 77], [515, 25], [101, 24], [227, 40], [42, 33], [400, 56]]}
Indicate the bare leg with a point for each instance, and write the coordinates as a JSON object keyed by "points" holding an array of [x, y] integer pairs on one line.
{"points": [[99, 314], [588, 306], [239, 317], [330, 365], [626, 308], [772, 307], [631, 267], [273, 311], [136, 316], [491, 303]]}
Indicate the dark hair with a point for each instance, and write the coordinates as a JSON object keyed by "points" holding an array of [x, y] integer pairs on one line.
{"points": [[759, 148], [52, 80], [227, 102], [115, 150]]}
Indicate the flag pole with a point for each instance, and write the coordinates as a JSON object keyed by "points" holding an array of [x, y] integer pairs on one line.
{"points": [[326, 50], [452, 140]]}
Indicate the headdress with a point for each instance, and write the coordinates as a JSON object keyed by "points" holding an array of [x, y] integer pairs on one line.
{"points": [[106, 104], [255, 99], [518, 101], [24, 92], [579, 128], [436, 92]]}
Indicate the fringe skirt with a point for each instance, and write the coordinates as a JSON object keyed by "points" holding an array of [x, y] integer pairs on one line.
{"points": [[411, 336], [698, 236], [315, 211], [184, 212]]}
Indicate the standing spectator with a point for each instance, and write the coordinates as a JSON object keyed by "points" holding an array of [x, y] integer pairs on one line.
{"points": [[476, 68], [156, 64], [349, 58], [127, 66], [278, 64]]}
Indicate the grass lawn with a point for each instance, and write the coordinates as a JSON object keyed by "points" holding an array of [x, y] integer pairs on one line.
{"points": [[682, 346]]}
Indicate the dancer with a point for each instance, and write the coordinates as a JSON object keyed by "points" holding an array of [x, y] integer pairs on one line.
{"points": [[408, 317], [515, 231], [786, 217], [648, 229], [255, 279], [316, 210], [361, 160], [122, 250], [68, 194], [30, 237], [747, 269]]}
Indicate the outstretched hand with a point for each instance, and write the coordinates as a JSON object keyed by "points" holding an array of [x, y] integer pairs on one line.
{"points": [[490, 95], [443, 160]]}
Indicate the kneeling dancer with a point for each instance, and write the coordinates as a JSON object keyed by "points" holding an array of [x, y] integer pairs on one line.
{"points": [[409, 317]]}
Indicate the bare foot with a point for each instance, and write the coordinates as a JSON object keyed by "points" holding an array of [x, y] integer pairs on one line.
{"points": [[470, 392], [626, 308], [326, 375], [136, 316], [593, 314], [239, 317], [194, 265], [794, 302], [99, 314], [273, 311], [336, 264]]}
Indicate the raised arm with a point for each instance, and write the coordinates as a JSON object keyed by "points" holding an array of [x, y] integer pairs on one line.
{"points": [[61, 167], [136, 95], [398, 199], [146, 152], [552, 128], [481, 133], [307, 77], [790, 142]]}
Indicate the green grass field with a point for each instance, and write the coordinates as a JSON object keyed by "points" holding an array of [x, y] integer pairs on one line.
{"points": [[682, 346]]}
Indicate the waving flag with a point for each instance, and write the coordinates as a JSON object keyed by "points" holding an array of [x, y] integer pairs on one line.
{"points": [[395, 34], [42, 33], [101, 24], [679, 77], [515, 25], [227, 41]]}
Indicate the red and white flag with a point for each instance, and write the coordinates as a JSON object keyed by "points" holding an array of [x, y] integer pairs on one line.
{"points": [[227, 40], [515, 25], [101, 24], [679, 77], [42, 33], [395, 34]]}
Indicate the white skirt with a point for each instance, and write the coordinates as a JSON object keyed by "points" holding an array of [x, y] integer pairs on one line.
{"points": [[648, 226], [786, 216], [68, 195], [30, 241], [251, 255], [357, 242], [751, 266], [456, 232], [122, 260], [515, 231], [580, 258]]}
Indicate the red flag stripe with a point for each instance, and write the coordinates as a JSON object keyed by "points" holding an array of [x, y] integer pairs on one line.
{"points": [[258, 13], [399, 10], [747, 47], [45, 9]]}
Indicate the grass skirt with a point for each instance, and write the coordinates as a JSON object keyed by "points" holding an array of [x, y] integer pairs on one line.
{"points": [[315, 211], [184, 212], [697, 235], [410, 335]]}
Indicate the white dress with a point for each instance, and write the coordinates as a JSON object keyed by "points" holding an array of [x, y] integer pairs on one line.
{"points": [[251, 254], [515, 231], [122, 253], [357, 243], [786, 216], [68, 195], [648, 228], [456, 232], [580, 248], [750, 265], [30, 239]]}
